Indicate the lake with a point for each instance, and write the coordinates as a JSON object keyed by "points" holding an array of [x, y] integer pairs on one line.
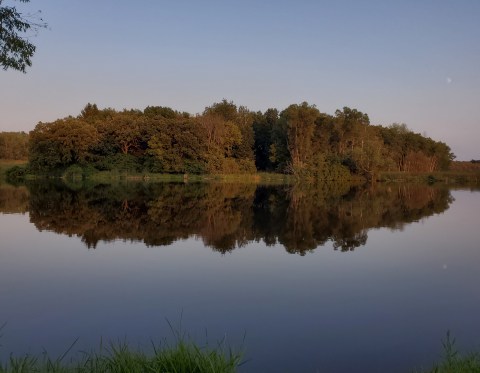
{"points": [[332, 278]]}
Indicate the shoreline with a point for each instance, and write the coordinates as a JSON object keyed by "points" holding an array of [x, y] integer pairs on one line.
{"points": [[86, 174]]}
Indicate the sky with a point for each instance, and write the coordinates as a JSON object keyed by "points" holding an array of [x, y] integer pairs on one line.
{"points": [[413, 62]]}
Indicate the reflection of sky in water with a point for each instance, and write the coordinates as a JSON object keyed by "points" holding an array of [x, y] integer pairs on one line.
{"points": [[387, 304]]}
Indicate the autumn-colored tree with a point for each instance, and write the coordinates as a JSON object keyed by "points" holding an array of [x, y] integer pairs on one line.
{"points": [[13, 145]]}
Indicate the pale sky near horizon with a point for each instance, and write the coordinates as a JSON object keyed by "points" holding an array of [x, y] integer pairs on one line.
{"points": [[414, 62]]}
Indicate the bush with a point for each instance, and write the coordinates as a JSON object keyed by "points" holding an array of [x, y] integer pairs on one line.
{"points": [[119, 162], [16, 173], [73, 172]]}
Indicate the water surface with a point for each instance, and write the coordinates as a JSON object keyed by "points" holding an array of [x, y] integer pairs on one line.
{"points": [[330, 279]]}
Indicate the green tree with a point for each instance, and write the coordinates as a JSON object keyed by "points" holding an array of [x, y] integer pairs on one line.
{"points": [[227, 139], [300, 125], [163, 112], [90, 112], [349, 124], [412, 152], [368, 156], [244, 122], [236, 120], [279, 155], [61, 143], [262, 126], [222, 138], [121, 132], [177, 147], [16, 50], [227, 110]]}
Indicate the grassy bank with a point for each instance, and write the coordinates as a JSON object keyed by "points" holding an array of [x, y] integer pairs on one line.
{"points": [[77, 173], [457, 364], [448, 177]]}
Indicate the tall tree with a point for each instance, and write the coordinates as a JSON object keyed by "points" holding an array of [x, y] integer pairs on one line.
{"points": [[227, 110], [239, 125], [300, 120], [350, 122], [262, 126]]}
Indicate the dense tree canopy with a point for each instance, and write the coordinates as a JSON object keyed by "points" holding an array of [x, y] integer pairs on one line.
{"points": [[225, 138], [13, 145], [16, 50]]}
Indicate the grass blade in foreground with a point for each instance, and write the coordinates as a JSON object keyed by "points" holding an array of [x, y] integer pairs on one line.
{"points": [[453, 362], [184, 357]]}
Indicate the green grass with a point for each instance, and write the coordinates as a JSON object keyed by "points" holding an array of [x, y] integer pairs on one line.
{"points": [[183, 357], [453, 362]]}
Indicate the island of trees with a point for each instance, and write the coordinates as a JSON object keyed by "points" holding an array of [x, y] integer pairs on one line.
{"points": [[299, 140]]}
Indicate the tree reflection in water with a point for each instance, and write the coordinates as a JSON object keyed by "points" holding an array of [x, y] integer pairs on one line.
{"points": [[225, 216]]}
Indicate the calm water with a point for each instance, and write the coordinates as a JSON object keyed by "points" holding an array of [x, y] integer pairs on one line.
{"points": [[333, 279]]}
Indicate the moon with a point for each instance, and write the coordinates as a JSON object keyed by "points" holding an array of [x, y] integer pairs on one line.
{"points": [[448, 80]]}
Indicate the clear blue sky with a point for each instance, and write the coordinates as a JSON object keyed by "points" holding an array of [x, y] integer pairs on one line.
{"points": [[414, 62]]}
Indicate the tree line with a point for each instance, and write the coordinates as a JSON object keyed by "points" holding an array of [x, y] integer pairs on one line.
{"points": [[13, 145], [299, 140]]}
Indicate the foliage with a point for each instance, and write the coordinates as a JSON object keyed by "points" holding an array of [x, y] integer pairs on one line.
{"points": [[6, 165], [61, 144], [119, 162], [453, 362], [163, 112], [13, 145], [16, 173], [300, 126], [177, 148], [184, 357], [16, 50], [225, 138]]}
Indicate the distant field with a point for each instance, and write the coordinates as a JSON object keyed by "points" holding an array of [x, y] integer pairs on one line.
{"points": [[465, 166], [449, 177]]}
